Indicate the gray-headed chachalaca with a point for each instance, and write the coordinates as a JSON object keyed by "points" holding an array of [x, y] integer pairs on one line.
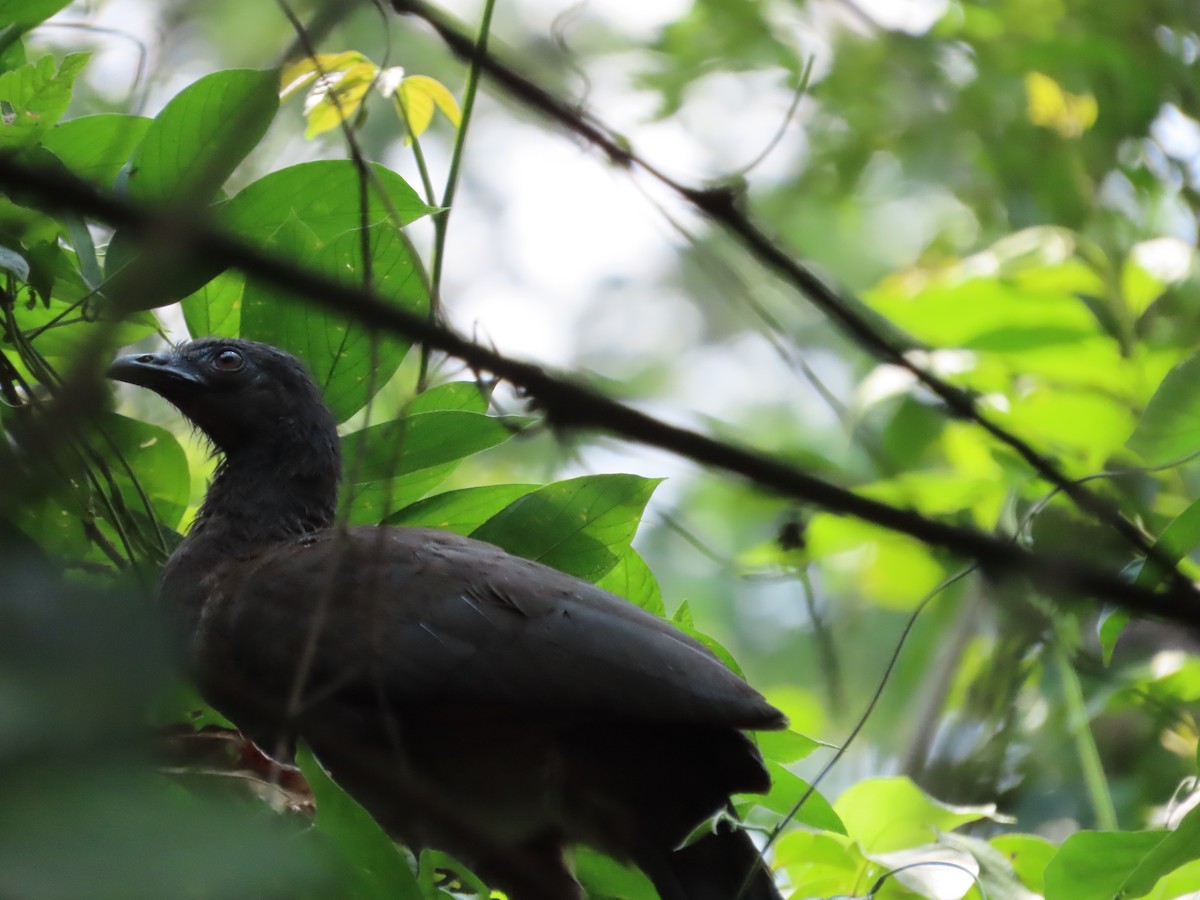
{"points": [[471, 700]]}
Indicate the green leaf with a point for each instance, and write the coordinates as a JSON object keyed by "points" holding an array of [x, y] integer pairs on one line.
{"points": [[1169, 429], [580, 526], [820, 864], [96, 147], [1178, 539], [14, 262], [379, 869], [998, 878], [885, 814], [1108, 629], [785, 746], [371, 502], [350, 362], [35, 96], [1028, 855], [216, 309], [26, 13], [1092, 864], [420, 441], [604, 877], [786, 790], [1179, 847], [460, 511], [202, 135], [632, 579], [325, 195], [453, 395], [155, 456]]}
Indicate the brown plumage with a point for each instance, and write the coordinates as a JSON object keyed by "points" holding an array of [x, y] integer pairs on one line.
{"points": [[471, 700]]}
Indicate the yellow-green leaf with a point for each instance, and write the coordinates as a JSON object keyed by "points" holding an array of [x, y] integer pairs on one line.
{"points": [[336, 97], [305, 71], [416, 99]]}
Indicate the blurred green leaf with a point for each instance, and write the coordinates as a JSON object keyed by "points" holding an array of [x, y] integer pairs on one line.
{"points": [[380, 870], [35, 96], [605, 878], [1169, 430], [1092, 864], [1028, 855], [885, 814], [27, 13], [819, 864], [13, 262], [1180, 846]]}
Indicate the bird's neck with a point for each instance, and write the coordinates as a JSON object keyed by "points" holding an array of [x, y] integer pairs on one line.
{"points": [[262, 496]]}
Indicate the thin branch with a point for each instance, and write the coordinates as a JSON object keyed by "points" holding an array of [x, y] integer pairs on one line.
{"points": [[441, 218], [569, 404], [722, 205]]}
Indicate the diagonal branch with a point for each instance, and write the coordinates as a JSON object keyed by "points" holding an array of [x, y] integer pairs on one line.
{"points": [[569, 404], [722, 206]]}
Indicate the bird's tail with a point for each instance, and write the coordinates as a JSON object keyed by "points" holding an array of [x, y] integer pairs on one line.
{"points": [[724, 865]]}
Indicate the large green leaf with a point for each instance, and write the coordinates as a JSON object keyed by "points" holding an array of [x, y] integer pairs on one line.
{"points": [[325, 195], [349, 362], [602, 876], [580, 526], [1177, 848], [460, 511], [452, 395], [1092, 864], [157, 459], [24, 14], [786, 791], [379, 869], [632, 579], [1169, 429], [420, 441], [885, 814], [35, 97], [215, 309], [96, 147], [202, 135], [1029, 855]]}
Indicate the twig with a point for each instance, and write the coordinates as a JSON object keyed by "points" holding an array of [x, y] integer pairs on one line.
{"points": [[569, 404], [721, 204]]}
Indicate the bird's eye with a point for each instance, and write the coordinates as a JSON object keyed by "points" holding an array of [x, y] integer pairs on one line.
{"points": [[228, 361]]}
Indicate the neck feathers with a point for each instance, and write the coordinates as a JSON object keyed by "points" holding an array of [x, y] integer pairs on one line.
{"points": [[271, 492]]}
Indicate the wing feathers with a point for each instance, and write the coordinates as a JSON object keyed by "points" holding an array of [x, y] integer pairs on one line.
{"points": [[459, 620]]}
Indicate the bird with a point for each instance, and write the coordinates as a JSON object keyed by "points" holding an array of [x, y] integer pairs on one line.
{"points": [[470, 700]]}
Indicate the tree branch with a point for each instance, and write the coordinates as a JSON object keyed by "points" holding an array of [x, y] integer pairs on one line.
{"points": [[721, 204], [569, 404]]}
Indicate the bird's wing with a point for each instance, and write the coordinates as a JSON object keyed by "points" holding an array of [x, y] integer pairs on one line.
{"points": [[430, 617]]}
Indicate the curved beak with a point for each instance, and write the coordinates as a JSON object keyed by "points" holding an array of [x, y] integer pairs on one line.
{"points": [[157, 371]]}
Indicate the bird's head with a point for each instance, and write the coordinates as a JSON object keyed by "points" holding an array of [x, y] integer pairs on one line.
{"points": [[242, 394]]}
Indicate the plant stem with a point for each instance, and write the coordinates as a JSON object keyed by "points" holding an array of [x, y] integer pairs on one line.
{"points": [[441, 219], [1085, 744]]}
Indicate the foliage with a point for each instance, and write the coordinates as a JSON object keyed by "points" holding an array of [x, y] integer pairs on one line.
{"points": [[1011, 190]]}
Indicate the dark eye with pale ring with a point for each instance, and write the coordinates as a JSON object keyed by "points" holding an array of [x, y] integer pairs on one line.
{"points": [[228, 361]]}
